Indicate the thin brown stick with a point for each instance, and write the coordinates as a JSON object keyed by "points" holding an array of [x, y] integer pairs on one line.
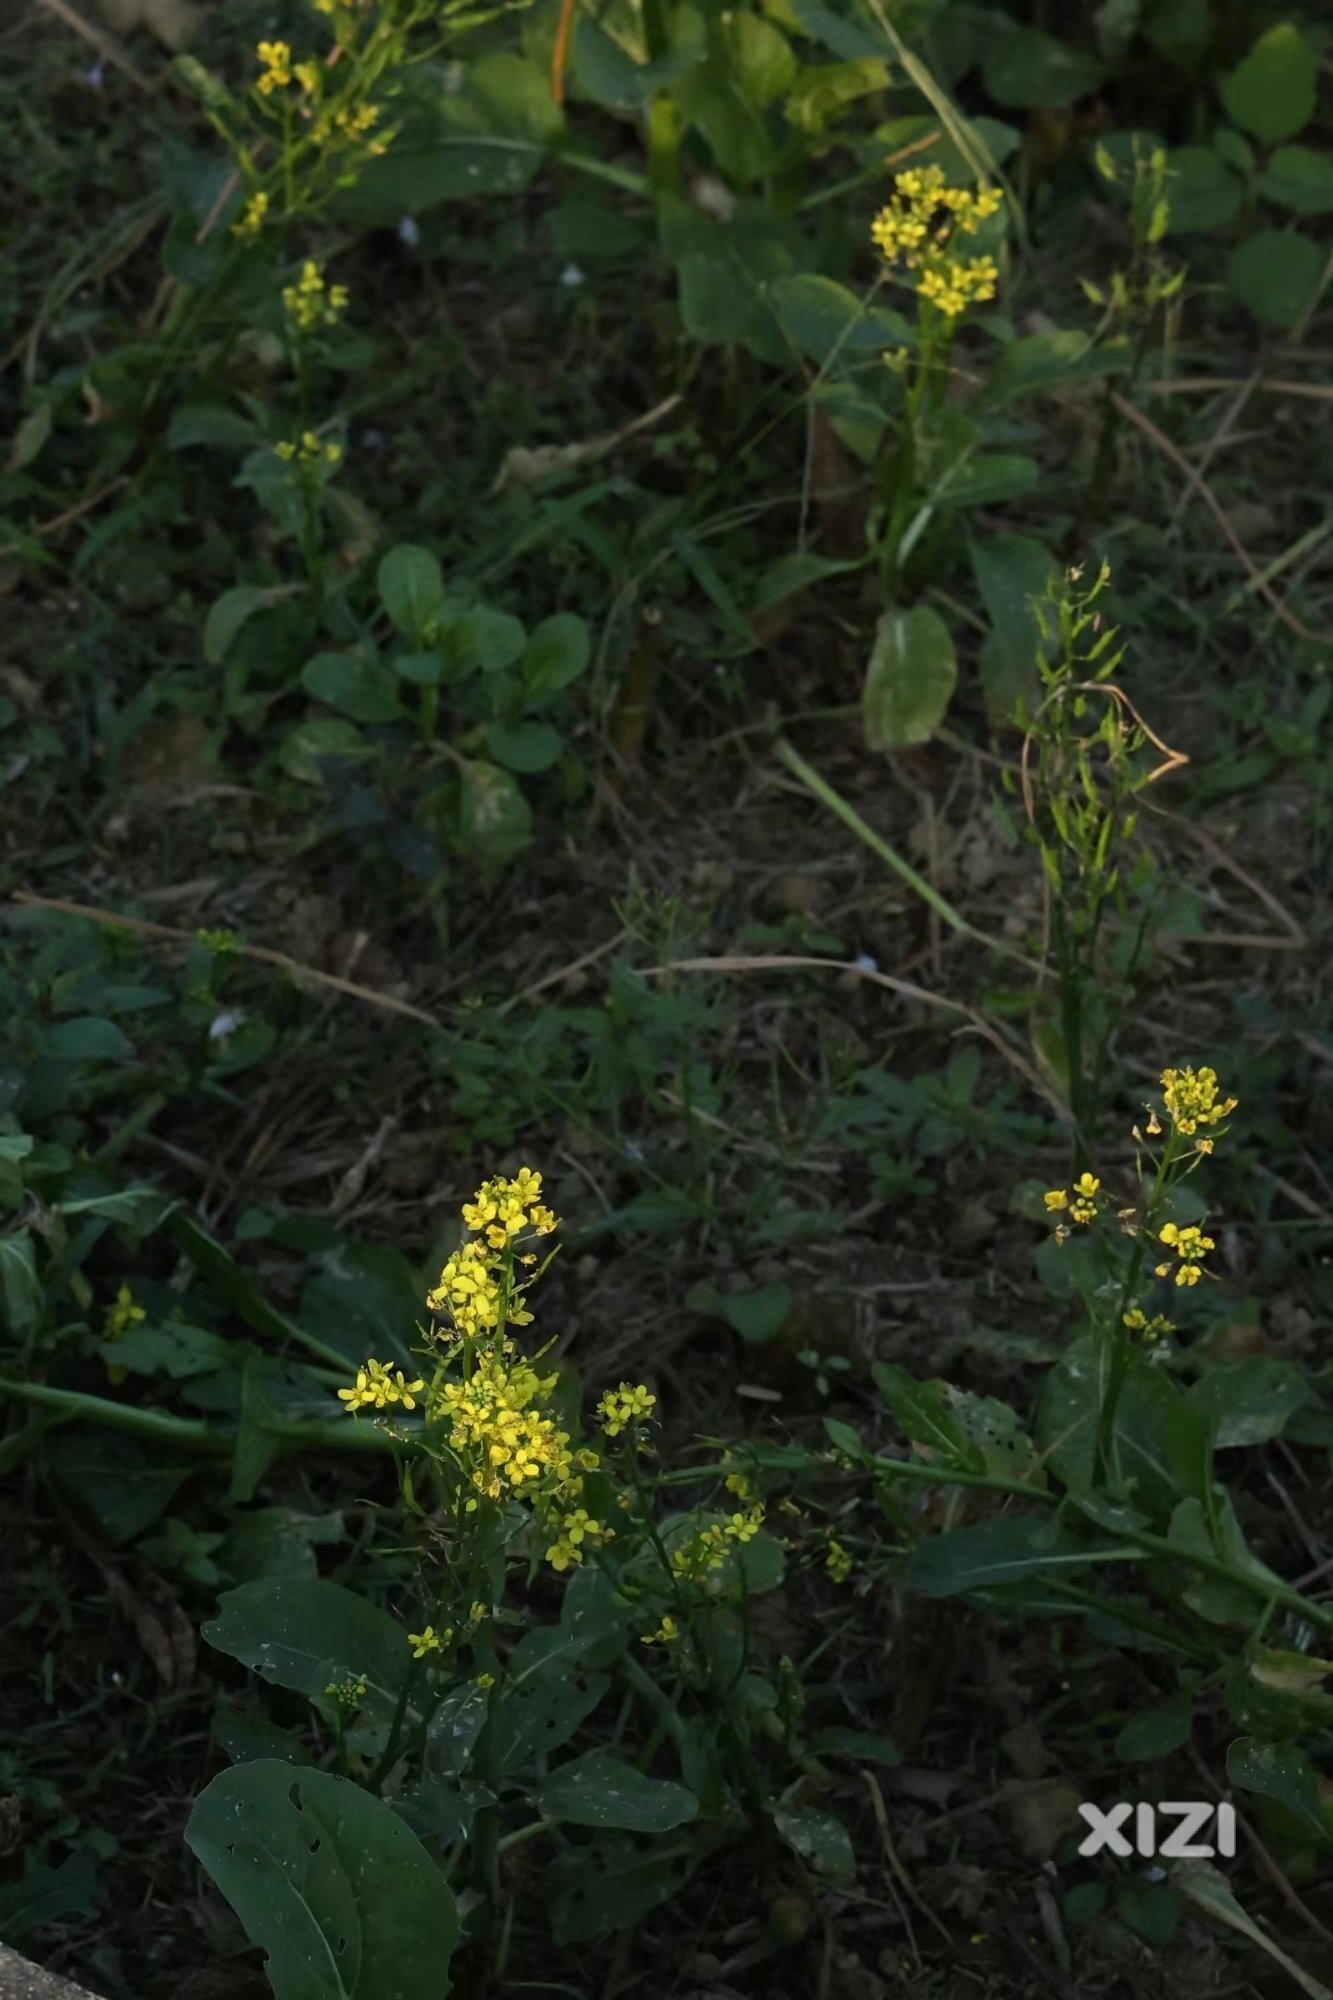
{"points": [[113, 920], [1213, 385], [782, 961], [1205, 493], [71, 514], [107, 47]]}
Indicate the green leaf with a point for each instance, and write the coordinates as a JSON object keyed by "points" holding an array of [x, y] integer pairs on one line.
{"points": [[1201, 190], [1276, 274], [524, 746], [210, 423], [602, 1790], [798, 571], [826, 320], [357, 684], [757, 1316], [1250, 1401], [1144, 1472], [418, 172], [986, 481], [820, 1839], [46, 1895], [1299, 179], [1011, 570], [302, 1633], [1157, 1731], [603, 1886], [20, 1286], [1272, 92], [1215, 1599], [1208, 1889], [856, 1744], [411, 588], [115, 1480], [328, 1881], [88, 1039], [557, 652], [483, 641], [973, 1433], [997, 1552], [1282, 1772], [364, 1299], [710, 98], [1047, 360], [544, 1703], [227, 616], [453, 1730], [313, 744], [1027, 70], [910, 680], [495, 820], [516, 91]]}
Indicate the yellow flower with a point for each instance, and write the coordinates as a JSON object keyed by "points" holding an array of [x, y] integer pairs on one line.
{"points": [[484, 1681], [375, 1388], [307, 75], [838, 1563], [427, 1641], [619, 1408], [1190, 1245], [916, 229], [308, 304], [744, 1527], [1191, 1099], [1056, 1198], [277, 60], [665, 1635]]}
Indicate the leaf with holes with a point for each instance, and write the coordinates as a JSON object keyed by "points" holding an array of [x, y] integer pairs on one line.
{"points": [[329, 1882]]}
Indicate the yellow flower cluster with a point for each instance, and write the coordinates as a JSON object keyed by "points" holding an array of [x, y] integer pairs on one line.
{"points": [[619, 1408], [309, 452], [503, 1209], [1189, 1244], [1081, 1200], [707, 1548], [666, 1634], [345, 123], [346, 1693], [1191, 1099], [252, 216], [310, 303], [574, 1530], [1153, 1329], [377, 1389], [837, 1562], [122, 1315], [919, 228], [276, 58], [501, 1435]]}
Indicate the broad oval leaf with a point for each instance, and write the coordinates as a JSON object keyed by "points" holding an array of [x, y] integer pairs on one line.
{"points": [[603, 1790], [327, 1880], [291, 1630], [411, 587], [910, 680], [1272, 92], [1276, 273], [356, 684]]}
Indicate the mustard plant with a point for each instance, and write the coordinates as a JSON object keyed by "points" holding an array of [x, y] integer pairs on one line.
{"points": [[1081, 769], [932, 238]]}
